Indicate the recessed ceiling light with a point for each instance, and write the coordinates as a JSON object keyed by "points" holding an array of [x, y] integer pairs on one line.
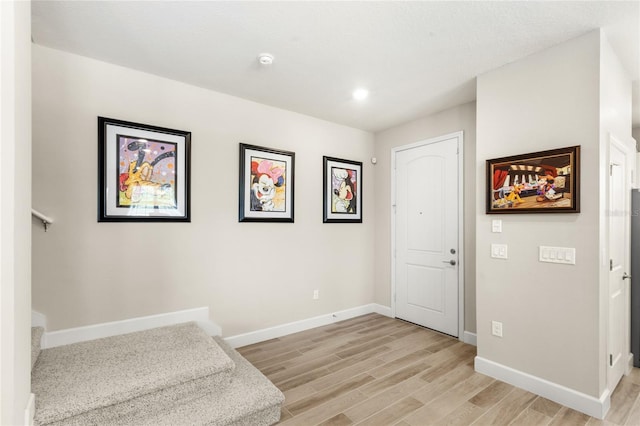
{"points": [[360, 94], [265, 58]]}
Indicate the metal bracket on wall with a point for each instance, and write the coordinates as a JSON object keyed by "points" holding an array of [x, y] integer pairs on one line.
{"points": [[46, 221]]}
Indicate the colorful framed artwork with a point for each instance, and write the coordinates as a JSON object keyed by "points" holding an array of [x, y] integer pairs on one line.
{"points": [[143, 172], [266, 184], [540, 182], [342, 191]]}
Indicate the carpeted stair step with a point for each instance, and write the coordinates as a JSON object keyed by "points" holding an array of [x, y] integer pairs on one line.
{"points": [[249, 400], [36, 344], [107, 381]]}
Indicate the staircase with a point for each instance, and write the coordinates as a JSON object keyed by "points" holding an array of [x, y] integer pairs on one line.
{"points": [[176, 375]]}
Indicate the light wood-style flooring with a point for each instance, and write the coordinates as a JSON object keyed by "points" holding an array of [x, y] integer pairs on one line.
{"points": [[374, 370]]}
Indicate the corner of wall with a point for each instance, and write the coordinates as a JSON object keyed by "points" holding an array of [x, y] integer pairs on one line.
{"points": [[38, 319]]}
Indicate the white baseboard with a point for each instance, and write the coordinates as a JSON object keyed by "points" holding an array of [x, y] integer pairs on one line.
{"points": [[30, 411], [470, 338], [38, 320], [382, 310], [595, 407], [305, 324], [97, 331]]}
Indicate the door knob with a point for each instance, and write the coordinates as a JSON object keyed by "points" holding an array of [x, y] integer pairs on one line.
{"points": [[450, 262], [626, 276]]}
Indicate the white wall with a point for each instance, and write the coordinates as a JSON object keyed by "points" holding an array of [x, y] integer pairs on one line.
{"points": [[636, 134], [452, 120], [251, 275], [15, 204], [550, 313]]}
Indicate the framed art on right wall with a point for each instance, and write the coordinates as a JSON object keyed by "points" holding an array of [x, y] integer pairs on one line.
{"points": [[539, 182]]}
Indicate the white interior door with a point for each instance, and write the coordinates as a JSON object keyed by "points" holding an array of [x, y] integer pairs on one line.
{"points": [[619, 264], [426, 264]]}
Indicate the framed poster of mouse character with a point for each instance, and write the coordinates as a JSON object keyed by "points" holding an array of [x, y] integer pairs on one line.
{"points": [[342, 190], [266, 184], [143, 172]]}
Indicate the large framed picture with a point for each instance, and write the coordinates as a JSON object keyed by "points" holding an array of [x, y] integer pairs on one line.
{"points": [[540, 182], [342, 191], [266, 184], [143, 172]]}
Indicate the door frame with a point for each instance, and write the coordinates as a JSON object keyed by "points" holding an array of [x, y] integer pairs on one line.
{"points": [[627, 147], [459, 136]]}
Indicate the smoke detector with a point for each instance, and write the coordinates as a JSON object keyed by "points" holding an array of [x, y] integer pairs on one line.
{"points": [[265, 58]]}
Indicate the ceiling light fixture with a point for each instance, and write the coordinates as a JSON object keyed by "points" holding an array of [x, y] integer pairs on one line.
{"points": [[360, 94], [265, 58]]}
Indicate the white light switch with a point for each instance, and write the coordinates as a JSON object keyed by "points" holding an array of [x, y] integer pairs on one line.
{"points": [[499, 251], [544, 253], [496, 225], [569, 256], [564, 255]]}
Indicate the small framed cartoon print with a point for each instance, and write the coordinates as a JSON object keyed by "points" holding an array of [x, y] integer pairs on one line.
{"points": [[143, 172], [342, 191], [266, 184]]}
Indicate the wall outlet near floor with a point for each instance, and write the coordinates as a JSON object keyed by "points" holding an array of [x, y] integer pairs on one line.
{"points": [[316, 294], [496, 328]]}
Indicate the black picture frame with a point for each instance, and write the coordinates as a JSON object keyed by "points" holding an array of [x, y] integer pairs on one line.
{"points": [[143, 172], [539, 182], [266, 184], [341, 190]]}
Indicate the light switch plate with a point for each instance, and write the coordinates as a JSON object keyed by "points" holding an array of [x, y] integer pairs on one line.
{"points": [[563, 255], [496, 225], [499, 251]]}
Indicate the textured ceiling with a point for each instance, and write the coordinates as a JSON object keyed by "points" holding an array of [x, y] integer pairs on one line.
{"points": [[416, 58]]}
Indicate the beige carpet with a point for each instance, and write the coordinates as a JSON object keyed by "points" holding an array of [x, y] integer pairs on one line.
{"points": [[130, 378]]}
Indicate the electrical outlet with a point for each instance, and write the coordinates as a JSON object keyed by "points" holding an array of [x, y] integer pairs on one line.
{"points": [[496, 328], [316, 294]]}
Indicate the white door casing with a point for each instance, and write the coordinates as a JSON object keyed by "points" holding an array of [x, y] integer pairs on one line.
{"points": [[427, 228], [619, 224]]}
